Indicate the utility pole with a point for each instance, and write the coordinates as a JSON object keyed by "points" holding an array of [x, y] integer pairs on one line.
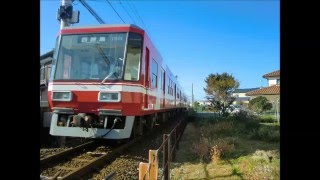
{"points": [[66, 15], [192, 96], [67, 6]]}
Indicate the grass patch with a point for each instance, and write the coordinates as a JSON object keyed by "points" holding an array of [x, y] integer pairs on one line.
{"points": [[237, 147], [268, 119], [265, 133], [189, 171]]}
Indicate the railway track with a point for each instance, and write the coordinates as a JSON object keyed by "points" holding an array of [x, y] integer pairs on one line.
{"points": [[126, 166], [65, 153], [72, 163], [92, 160]]}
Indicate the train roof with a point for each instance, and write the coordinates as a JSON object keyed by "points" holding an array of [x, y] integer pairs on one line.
{"points": [[104, 26]]}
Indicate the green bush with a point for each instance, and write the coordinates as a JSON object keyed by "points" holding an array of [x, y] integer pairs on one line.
{"points": [[265, 133], [244, 121], [268, 119], [204, 122], [260, 104], [223, 128]]}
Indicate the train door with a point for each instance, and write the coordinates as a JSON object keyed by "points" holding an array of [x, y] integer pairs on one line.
{"points": [[147, 76]]}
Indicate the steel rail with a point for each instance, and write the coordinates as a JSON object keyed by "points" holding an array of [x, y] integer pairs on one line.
{"points": [[100, 161], [65, 153]]}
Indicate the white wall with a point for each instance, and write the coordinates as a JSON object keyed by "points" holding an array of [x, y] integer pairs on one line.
{"points": [[273, 81], [240, 94], [204, 103]]}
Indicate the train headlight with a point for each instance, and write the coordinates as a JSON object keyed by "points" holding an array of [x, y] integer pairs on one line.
{"points": [[61, 96], [109, 97]]}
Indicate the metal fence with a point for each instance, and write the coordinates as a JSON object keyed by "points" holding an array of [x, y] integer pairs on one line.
{"points": [[166, 153]]}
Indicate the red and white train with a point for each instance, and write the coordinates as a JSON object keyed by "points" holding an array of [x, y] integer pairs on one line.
{"points": [[109, 81]]}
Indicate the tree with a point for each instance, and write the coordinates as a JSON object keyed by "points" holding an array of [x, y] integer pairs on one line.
{"points": [[198, 107], [259, 104], [219, 91]]}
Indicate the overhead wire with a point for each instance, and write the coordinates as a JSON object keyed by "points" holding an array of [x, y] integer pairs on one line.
{"points": [[127, 12], [135, 11], [73, 2], [138, 17], [115, 11], [130, 7], [93, 13]]}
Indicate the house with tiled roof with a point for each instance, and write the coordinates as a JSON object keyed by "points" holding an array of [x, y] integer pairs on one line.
{"points": [[273, 78], [241, 97], [272, 91], [45, 68]]}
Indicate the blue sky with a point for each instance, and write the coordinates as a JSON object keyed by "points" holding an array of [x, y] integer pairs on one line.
{"points": [[195, 38]]}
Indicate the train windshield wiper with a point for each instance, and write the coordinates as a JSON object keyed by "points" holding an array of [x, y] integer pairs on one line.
{"points": [[107, 77], [104, 56], [106, 59]]}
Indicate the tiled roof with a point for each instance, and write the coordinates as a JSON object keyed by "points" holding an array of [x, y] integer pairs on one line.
{"points": [[244, 90], [272, 74], [271, 90], [48, 54]]}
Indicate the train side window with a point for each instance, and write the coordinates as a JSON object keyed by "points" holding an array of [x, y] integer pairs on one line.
{"points": [[162, 83], [169, 86], [178, 93], [154, 77]]}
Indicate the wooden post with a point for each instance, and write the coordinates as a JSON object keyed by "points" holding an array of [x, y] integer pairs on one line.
{"points": [[169, 156], [177, 136], [153, 161], [165, 158], [143, 171], [174, 143]]}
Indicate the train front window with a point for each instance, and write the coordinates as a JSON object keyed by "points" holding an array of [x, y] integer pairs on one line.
{"points": [[132, 69], [91, 56]]}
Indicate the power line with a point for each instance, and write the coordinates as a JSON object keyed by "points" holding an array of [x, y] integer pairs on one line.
{"points": [[127, 12], [137, 14], [93, 13], [138, 17], [115, 11]]}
